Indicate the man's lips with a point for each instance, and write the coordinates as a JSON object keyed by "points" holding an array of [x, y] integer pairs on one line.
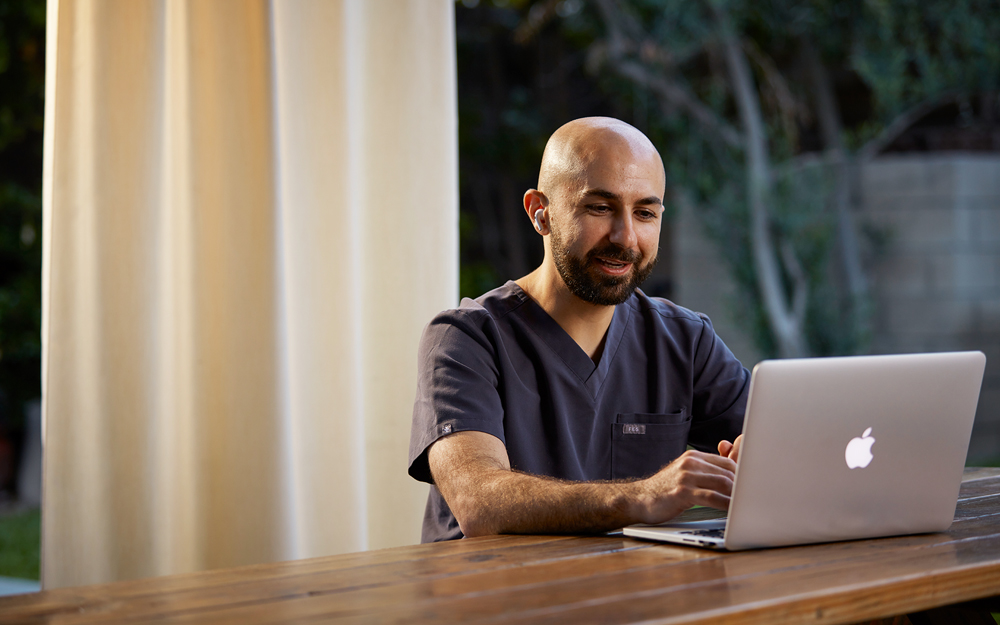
{"points": [[611, 266]]}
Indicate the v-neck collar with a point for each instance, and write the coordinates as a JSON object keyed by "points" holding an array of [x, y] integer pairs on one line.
{"points": [[549, 332]]}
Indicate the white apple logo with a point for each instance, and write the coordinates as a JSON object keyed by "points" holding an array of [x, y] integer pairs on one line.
{"points": [[859, 451]]}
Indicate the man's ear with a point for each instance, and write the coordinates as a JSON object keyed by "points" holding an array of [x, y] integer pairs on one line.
{"points": [[535, 204]]}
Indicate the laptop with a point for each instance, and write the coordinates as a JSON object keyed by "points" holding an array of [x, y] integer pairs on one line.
{"points": [[841, 449]]}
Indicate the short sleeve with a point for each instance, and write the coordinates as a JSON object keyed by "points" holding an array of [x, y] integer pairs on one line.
{"points": [[721, 385], [457, 381]]}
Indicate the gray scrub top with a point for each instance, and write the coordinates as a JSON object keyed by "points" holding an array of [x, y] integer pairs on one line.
{"points": [[502, 365]]}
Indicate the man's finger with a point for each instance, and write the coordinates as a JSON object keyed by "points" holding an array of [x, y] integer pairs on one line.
{"points": [[722, 484], [724, 448], [712, 499], [716, 462], [734, 453]]}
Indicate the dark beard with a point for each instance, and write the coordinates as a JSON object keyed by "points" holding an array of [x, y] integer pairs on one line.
{"points": [[605, 290]]}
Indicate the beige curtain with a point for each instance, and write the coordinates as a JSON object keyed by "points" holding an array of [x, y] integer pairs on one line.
{"points": [[250, 214]]}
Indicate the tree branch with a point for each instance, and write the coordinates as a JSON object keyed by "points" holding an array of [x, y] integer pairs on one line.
{"points": [[786, 327], [832, 131], [538, 16], [800, 283], [681, 98], [901, 123], [787, 105], [621, 38]]}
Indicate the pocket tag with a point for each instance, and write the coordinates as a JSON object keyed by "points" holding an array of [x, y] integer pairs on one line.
{"points": [[634, 428]]}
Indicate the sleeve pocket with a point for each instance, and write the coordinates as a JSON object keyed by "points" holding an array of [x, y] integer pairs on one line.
{"points": [[642, 443]]}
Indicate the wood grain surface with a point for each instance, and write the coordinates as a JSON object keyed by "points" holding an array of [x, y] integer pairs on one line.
{"points": [[570, 579]]}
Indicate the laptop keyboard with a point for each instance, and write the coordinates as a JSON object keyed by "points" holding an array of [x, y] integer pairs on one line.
{"points": [[714, 533]]}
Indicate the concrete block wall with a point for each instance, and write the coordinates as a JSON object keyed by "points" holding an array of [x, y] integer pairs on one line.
{"points": [[702, 283], [936, 285]]}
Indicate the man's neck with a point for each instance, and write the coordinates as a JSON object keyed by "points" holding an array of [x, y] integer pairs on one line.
{"points": [[586, 323]]}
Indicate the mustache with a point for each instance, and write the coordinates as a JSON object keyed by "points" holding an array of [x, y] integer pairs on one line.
{"points": [[616, 252]]}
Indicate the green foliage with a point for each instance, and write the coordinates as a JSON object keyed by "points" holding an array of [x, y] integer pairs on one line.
{"points": [[512, 95], [885, 56], [22, 88], [910, 50], [474, 277], [20, 543], [901, 52]]}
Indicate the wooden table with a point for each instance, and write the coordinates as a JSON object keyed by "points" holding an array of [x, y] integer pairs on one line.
{"points": [[564, 579]]}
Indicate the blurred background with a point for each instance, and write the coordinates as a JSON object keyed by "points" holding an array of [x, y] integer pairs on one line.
{"points": [[22, 89], [841, 156]]}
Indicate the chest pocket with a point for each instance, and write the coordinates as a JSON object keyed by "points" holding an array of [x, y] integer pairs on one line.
{"points": [[642, 443]]}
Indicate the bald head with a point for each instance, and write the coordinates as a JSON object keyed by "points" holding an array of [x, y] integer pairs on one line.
{"points": [[579, 144]]}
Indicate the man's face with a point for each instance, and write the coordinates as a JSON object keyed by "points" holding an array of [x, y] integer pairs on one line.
{"points": [[605, 226], [602, 275]]}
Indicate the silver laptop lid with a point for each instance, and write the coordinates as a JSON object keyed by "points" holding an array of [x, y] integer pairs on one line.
{"points": [[907, 420]]}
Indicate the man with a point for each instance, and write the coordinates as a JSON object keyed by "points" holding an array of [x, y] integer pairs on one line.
{"points": [[552, 403]]}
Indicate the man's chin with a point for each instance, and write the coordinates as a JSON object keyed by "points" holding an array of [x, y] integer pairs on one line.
{"points": [[616, 283], [591, 284], [608, 292]]}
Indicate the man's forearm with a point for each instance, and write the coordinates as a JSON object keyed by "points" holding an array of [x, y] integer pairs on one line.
{"points": [[501, 501], [473, 473]]}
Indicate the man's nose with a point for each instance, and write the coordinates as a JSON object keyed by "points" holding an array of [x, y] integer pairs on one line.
{"points": [[623, 233]]}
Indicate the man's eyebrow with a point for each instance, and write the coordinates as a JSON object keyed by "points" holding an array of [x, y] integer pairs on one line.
{"points": [[650, 201], [610, 195]]}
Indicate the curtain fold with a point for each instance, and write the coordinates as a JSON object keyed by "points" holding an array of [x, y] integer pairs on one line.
{"points": [[250, 214]]}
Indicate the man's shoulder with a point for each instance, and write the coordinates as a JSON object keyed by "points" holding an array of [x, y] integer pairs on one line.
{"points": [[501, 301], [486, 310], [665, 309]]}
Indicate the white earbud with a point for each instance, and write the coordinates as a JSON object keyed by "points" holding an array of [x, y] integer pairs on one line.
{"points": [[538, 216]]}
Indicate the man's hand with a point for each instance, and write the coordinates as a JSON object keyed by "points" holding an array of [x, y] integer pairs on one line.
{"points": [[731, 450], [694, 479], [472, 471]]}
